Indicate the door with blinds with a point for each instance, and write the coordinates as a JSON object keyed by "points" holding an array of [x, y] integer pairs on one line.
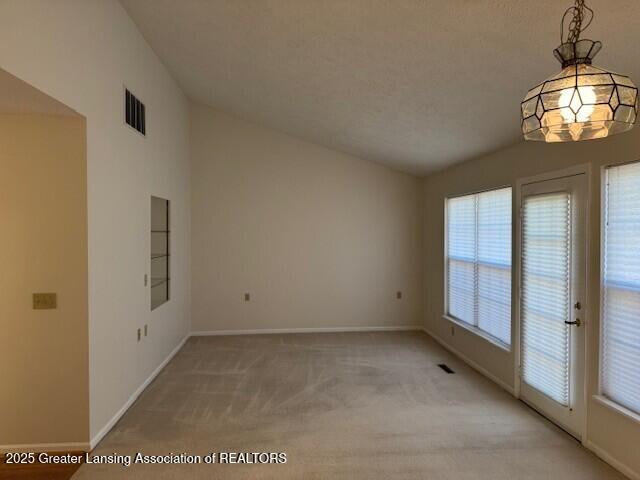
{"points": [[551, 299]]}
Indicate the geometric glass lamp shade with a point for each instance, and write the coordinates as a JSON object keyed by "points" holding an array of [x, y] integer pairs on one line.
{"points": [[582, 102]]}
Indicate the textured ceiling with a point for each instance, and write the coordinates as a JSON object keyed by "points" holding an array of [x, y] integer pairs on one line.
{"points": [[415, 84]]}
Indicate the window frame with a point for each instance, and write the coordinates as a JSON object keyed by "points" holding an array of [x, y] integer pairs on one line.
{"points": [[445, 315], [600, 397]]}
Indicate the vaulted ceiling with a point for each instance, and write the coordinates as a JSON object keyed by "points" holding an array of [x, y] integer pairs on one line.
{"points": [[415, 84]]}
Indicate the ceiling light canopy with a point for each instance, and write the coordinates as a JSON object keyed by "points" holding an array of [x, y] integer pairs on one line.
{"points": [[582, 102]]}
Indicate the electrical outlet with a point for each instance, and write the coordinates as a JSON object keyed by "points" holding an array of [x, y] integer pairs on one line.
{"points": [[398, 295], [139, 336], [45, 301], [145, 330], [247, 297]]}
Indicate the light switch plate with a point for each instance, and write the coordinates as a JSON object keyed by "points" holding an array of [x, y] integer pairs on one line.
{"points": [[45, 301]]}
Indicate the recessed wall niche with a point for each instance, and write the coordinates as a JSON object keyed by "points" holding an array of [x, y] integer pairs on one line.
{"points": [[160, 232]]}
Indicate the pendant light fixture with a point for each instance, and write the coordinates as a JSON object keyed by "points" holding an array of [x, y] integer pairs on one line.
{"points": [[582, 102]]}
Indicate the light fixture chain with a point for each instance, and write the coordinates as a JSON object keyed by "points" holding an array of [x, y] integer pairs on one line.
{"points": [[576, 22], [578, 12]]}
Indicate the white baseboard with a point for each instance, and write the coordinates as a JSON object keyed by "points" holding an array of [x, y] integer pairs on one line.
{"points": [[68, 447], [80, 446], [46, 447], [266, 331], [604, 455], [100, 435], [618, 465], [470, 362]]}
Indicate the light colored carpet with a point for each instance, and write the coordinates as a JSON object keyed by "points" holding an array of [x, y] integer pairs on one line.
{"points": [[343, 405]]}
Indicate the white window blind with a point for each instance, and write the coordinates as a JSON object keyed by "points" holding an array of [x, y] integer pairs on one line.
{"points": [[546, 290], [620, 375], [479, 261]]}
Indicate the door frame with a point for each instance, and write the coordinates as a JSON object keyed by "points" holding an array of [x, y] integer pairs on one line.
{"points": [[582, 169]]}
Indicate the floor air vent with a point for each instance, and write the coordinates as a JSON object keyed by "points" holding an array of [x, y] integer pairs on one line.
{"points": [[445, 367], [134, 112]]}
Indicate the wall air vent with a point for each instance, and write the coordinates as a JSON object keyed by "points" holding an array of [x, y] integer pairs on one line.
{"points": [[134, 112]]}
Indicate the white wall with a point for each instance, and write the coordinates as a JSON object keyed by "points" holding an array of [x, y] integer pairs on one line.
{"points": [[318, 238], [44, 378], [81, 53], [612, 434]]}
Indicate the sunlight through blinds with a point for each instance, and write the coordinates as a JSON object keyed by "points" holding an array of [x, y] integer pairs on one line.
{"points": [[621, 293], [494, 263], [546, 257], [479, 261], [461, 240]]}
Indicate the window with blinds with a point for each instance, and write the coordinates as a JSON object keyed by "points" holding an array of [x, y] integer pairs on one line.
{"points": [[479, 261], [620, 362], [546, 293]]}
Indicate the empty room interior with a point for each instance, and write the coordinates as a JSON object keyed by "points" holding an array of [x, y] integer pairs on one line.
{"points": [[341, 239]]}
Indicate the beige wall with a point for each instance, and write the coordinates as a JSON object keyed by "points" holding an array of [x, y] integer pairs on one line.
{"points": [[82, 53], [318, 238], [44, 382], [616, 435]]}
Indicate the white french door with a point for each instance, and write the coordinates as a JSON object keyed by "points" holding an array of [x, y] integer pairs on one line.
{"points": [[552, 299]]}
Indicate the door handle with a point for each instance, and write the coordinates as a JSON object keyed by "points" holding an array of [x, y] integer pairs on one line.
{"points": [[577, 323]]}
